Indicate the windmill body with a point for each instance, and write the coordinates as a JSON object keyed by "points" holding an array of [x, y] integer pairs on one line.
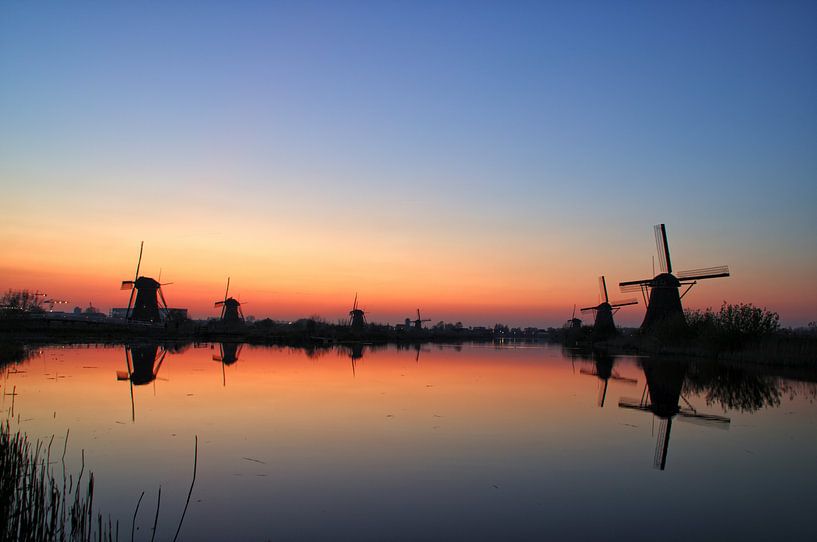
{"points": [[146, 306], [231, 311], [604, 326], [230, 308], [662, 293], [418, 323], [664, 303], [357, 317], [150, 301]]}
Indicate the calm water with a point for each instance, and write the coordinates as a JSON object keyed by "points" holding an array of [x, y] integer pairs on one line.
{"points": [[476, 442]]}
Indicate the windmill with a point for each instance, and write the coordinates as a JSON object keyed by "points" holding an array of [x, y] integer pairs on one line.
{"points": [[357, 318], [573, 322], [603, 370], [604, 325], [148, 294], [662, 397], [143, 362], [418, 323], [230, 307], [662, 292]]}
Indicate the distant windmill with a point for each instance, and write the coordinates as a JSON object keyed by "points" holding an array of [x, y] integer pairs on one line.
{"points": [[603, 370], [143, 362], [230, 307], [418, 323], [148, 294], [662, 397], [357, 318], [604, 325], [662, 292], [573, 322]]}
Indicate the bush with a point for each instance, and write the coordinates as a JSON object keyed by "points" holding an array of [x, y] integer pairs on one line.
{"points": [[733, 325]]}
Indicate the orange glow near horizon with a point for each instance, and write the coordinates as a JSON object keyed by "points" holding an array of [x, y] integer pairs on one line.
{"points": [[476, 281]]}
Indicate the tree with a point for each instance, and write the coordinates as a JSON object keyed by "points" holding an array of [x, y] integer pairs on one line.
{"points": [[21, 300]]}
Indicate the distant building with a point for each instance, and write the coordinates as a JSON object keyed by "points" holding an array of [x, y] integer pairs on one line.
{"points": [[118, 313]]}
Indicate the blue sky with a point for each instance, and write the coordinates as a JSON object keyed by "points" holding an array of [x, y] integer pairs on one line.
{"points": [[517, 123]]}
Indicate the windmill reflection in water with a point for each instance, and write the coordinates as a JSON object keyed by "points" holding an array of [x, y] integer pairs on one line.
{"points": [[228, 354], [662, 397], [602, 369], [143, 362]]}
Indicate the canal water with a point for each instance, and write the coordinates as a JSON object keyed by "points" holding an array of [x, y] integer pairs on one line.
{"points": [[475, 442]]}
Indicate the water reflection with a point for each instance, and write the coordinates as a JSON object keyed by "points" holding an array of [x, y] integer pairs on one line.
{"points": [[479, 442], [733, 388], [603, 370], [12, 353], [662, 397], [228, 355]]}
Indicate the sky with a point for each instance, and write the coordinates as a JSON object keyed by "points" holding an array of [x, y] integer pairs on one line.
{"points": [[484, 161]]}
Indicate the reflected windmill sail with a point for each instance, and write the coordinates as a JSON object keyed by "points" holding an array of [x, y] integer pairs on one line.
{"points": [[602, 369]]}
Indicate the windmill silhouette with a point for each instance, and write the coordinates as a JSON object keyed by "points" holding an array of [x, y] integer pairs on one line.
{"points": [[573, 322], [604, 325], [143, 362], [231, 312], [418, 323], [662, 292], [148, 291], [357, 317], [603, 369], [662, 397]]}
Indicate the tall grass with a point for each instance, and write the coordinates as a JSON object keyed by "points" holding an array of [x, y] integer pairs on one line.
{"points": [[35, 505]]}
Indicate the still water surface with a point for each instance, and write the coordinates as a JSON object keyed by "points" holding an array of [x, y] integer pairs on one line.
{"points": [[474, 442]]}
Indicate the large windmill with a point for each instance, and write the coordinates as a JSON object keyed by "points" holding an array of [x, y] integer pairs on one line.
{"points": [[148, 293], [603, 370], [662, 293], [143, 362], [357, 317], [418, 323], [230, 307], [604, 325], [662, 397]]}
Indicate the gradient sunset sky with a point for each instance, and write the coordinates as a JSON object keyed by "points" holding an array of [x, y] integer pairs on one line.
{"points": [[482, 161]]}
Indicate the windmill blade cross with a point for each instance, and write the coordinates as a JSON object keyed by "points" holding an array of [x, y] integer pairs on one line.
{"points": [[603, 289]]}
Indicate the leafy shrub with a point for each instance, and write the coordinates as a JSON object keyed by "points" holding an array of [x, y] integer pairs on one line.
{"points": [[733, 325]]}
